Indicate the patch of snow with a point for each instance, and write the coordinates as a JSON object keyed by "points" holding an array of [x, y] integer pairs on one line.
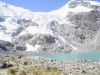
{"points": [[77, 9], [23, 33], [5, 37], [94, 3], [31, 48], [61, 38], [74, 48], [62, 12], [36, 30]]}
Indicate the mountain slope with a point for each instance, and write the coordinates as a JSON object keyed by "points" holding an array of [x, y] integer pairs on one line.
{"points": [[74, 26]]}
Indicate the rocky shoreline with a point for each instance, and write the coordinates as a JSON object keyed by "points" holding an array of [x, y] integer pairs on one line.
{"points": [[11, 64]]}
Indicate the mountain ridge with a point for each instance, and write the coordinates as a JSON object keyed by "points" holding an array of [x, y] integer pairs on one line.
{"points": [[60, 31]]}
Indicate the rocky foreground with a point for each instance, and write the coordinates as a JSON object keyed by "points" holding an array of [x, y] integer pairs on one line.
{"points": [[18, 65]]}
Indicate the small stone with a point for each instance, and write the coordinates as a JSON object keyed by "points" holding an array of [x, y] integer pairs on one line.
{"points": [[83, 71], [4, 65]]}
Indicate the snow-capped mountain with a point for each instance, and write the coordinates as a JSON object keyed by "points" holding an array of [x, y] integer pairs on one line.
{"points": [[75, 26]]}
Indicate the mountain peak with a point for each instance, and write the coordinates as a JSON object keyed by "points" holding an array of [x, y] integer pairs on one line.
{"points": [[85, 3], [81, 0], [3, 4], [75, 6]]}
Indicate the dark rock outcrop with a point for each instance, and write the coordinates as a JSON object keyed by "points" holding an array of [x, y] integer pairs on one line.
{"points": [[21, 48], [2, 19]]}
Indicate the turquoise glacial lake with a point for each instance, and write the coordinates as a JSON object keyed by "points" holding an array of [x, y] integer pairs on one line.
{"points": [[93, 56]]}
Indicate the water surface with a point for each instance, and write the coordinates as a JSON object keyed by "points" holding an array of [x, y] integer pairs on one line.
{"points": [[93, 56]]}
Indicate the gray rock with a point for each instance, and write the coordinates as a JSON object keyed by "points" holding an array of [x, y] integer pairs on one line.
{"points": [[17, 31], [23, 22], [23, 38], [43, 39], [21, 48], [73, 4], [2, 19], [86, 24], [6, 46], [2, 27]]}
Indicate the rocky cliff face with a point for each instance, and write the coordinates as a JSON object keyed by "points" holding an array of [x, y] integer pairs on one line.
{"points": [[75, 26]]}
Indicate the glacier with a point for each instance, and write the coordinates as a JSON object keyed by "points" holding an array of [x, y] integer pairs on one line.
{"points": [[72, 27]]}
